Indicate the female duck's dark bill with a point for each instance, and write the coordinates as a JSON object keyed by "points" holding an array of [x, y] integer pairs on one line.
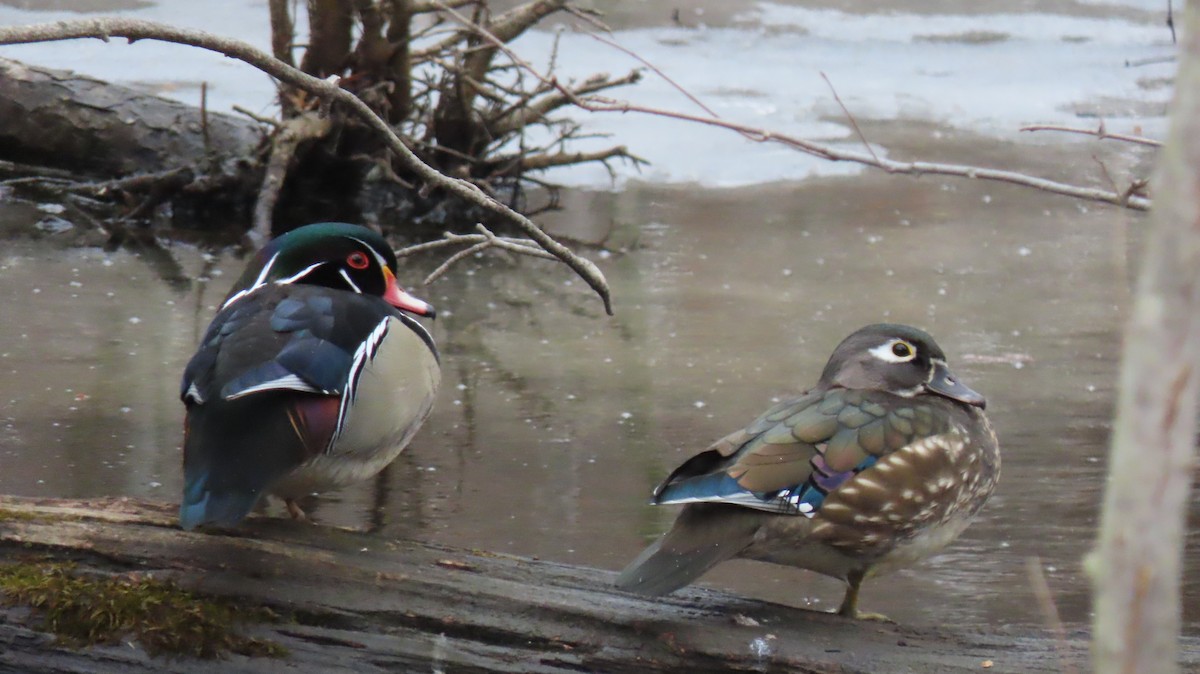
{"points": [[945, 383], [399, 298]]}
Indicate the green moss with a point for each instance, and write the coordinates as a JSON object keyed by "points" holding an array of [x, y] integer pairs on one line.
{"points": [[85, 610], [16, 515]]}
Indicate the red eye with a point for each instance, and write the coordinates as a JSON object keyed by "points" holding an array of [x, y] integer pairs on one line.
{"points": [[357, 260]]}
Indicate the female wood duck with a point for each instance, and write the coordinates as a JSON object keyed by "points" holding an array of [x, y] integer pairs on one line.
{"points": [[312, 376], [880, 465]]}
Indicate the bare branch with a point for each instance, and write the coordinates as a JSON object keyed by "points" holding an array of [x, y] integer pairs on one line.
{"points": [[266, 121], [307, 126], [545, 161], [135, 29], [602, 104], [1099, 132], [853, 122], [597, 104], [621, 48], [482, 241], [523, 115], [450, 261]]}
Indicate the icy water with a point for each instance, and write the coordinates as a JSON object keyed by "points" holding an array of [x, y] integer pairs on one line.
{"points": [[556, 421]]}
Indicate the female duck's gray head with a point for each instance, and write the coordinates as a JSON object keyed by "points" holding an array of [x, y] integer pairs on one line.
{"points": [[899, 359]]}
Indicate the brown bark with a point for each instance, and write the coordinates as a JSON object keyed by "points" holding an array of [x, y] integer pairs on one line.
{"points": [[355, 602], [283, 35], [457, 123], [308, 126], [283, 31], [1137, 564], [400, 66], [329, 37]]}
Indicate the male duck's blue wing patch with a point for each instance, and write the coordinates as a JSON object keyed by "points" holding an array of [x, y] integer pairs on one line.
{"points": [[303, 342]]}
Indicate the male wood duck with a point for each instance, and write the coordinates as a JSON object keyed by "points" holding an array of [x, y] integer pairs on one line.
{"points": [[883, 463], [313, 375]]}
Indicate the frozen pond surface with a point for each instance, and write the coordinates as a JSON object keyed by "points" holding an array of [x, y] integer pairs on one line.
{"points": [[759, 64], [556, 421]]}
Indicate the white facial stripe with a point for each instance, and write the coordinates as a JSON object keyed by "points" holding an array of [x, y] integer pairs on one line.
{"points": [[298, 275], [258, 282], [884, 352], [378, 257], [933, 369], [348, 281]]}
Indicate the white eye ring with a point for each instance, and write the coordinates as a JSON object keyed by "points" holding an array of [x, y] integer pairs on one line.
{"points": [[884, 351]]}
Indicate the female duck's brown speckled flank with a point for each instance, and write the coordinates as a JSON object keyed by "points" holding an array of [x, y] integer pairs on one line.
{"points": [[880, 465], [313, 375]]}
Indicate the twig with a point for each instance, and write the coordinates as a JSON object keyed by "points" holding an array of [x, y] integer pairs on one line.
{"points": [[666, 78], [135, 29], [1107, 176], [1099, 132], [499, 45], [450, 261], [1171, 20], [138, 183], [452, 239], [273, 123], [544, 161], [853, 122], [525, 111], [204, 115], [482, 241], [31, 172], [1150, 61], [1045, 600]]}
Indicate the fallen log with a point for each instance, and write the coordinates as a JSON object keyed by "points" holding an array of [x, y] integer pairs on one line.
{"points": [[343, 600], [61, 119]]}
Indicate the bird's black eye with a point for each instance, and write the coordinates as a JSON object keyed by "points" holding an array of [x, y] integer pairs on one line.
{"points": [[357, 260], [902, 350]]}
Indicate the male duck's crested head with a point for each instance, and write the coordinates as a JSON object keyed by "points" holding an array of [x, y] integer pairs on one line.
{"points": [[896, 358], [334, 255]]}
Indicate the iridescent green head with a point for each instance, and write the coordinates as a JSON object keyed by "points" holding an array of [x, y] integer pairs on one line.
{"points": [[334, 255]]}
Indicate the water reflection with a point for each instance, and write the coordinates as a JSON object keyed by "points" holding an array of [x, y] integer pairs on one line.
{"points": [[555, 420]]}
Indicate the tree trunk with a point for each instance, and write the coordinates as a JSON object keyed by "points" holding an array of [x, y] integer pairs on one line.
{"points": [[330, 23], [1137, 563], [350, 601]]}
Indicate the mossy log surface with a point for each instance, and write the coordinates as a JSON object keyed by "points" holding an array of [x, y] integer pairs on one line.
{"points": [[348, 601]]}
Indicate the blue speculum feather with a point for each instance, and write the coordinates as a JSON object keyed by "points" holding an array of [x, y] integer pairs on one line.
{"points": [[805, 498], [320, 363], [201, 506], [707, 488]]}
